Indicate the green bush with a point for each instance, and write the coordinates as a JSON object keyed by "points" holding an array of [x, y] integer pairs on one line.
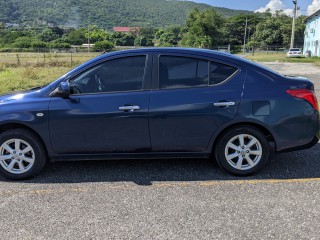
{"points": [[38, 44], [16, 50], [6, 50], [23, 42], [103, 46], [236, 49], [143, 41], [165, 44], [59, 45]]}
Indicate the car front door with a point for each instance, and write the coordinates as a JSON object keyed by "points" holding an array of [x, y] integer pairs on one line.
{"points": [[107, 111], [194, 98]]}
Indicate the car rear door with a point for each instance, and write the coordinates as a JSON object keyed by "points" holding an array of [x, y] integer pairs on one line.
{"points": [[107, 110], [193, 97]]}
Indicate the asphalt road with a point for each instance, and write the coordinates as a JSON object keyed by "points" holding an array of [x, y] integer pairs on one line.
{"points": [[166, 199]]}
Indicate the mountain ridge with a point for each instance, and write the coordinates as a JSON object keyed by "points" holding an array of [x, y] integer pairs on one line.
{"points": [[103, 13]]}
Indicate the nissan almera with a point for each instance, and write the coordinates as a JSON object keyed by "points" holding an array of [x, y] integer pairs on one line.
{"points": [[159, 103]]}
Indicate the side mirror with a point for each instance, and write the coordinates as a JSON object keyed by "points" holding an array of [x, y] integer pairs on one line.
{"points": [[63, 90]]}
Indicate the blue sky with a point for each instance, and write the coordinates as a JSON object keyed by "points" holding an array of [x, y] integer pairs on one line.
{"points": [[256, 4]]}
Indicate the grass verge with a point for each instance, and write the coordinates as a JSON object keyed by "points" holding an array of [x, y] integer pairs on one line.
{"points": [[280, 57], [21, 78], [20, 71]]}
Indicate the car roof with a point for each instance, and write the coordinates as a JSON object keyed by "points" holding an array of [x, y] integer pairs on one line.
{"points": [[197, 51], [240, 61]]}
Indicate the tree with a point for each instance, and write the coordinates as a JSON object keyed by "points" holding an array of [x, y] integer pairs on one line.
{"points": [[275, 30], [145, 37], [9, 36], [203, 29], [47, 35], [95, 34], [23, 42], [169, 36], [77, 37], [143, 41], [234, 28], [269, 32], [121, 39]]}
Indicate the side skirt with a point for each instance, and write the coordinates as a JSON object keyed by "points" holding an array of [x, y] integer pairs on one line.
{"points": [[122, 156]]}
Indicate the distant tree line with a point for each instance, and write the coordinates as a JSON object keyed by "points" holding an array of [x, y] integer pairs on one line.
{"points": [[203, 29]]}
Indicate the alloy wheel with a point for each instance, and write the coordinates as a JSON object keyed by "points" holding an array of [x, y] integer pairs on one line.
{"points": [[16, 156], [243, 152]]}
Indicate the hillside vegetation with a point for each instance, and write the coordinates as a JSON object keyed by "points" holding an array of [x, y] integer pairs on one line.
{"points": [[103, 13]]}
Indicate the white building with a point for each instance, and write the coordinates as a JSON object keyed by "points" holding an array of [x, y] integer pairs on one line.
{"points": [[312, 34]]}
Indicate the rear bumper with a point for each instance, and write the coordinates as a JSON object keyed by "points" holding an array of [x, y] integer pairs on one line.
{"points": [[299, 133], [294, 55], [314, 141]]}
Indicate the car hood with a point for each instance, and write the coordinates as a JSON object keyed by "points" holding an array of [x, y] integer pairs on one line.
{"points": [[20, 95]]}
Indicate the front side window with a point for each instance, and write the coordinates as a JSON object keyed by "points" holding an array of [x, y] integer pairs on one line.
{"points": [[117, 75], [182, 72]]}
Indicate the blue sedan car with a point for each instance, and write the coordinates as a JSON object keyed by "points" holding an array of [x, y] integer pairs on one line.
{"points": [[159, 103]]}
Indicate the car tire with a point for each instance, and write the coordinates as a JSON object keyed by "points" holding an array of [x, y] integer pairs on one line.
{"points": [[242, 150], [22, 154]]}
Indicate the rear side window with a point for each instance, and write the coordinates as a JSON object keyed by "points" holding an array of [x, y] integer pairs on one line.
{"points": [[181, 72], [220, 72]]}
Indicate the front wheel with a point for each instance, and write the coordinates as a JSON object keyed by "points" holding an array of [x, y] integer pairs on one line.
{"points": [[242, 150], [22, 154]]}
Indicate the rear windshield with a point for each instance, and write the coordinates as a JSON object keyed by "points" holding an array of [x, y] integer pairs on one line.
{"points": [[294, 50]]}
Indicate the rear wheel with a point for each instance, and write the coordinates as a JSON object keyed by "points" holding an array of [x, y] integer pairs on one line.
{"points": [[242, 150], [22, 154]]}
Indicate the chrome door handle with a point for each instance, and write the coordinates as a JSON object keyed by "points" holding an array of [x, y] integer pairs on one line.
{"points": [[129, 108], [224, 104]]}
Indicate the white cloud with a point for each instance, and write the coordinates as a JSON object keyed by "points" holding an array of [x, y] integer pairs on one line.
{"points": [[315, 6], [276, 5]]}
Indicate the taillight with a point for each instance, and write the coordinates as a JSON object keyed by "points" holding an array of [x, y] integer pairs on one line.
{"points": [[305, 94]]}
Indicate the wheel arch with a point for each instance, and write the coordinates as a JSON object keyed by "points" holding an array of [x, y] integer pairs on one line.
{"points": [[11, 126], [258, 126]]}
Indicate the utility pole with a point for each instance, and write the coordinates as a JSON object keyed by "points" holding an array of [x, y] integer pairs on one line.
{"points": [[88, 38], [254, 35], [249, 37], [293, 23], [245, 35]]}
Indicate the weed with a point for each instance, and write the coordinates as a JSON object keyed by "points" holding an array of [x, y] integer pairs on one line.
{"points": [[30, 73]]}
